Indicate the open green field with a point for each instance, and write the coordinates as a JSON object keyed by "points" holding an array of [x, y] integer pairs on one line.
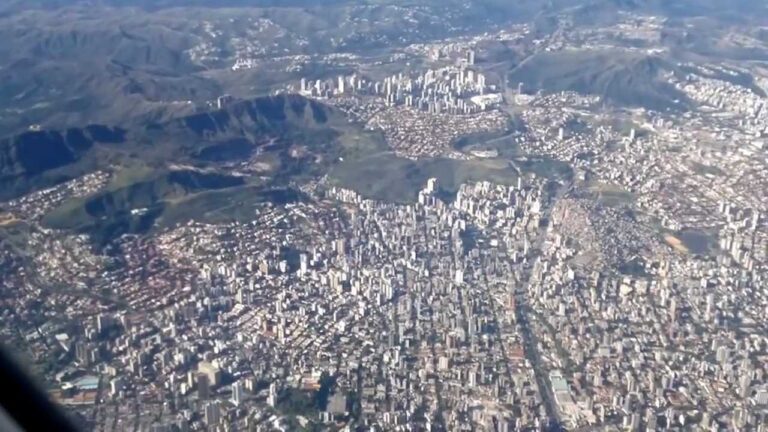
{"points": [[611, 195], [386, 177]]}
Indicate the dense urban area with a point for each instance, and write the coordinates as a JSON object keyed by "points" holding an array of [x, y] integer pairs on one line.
{"points": [[584, 263]]}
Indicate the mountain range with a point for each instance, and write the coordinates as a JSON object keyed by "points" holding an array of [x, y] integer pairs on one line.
{"points": [[160, 167], [43, 158]]}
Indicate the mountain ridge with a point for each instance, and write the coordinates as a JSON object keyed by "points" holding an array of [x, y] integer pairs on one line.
{"points": [[32, 155]]}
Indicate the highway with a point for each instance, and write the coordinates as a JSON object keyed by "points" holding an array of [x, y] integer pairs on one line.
{"points": [[530, 340]]}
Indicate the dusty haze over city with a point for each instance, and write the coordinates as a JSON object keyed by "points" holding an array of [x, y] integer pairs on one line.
{"points": [[387, 215]]}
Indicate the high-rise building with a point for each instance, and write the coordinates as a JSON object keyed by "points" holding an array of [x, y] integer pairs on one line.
{"points": [[243, 296], [761, 398], [722, 355], [459, 278], [303, 264], [104, 322], [673, 309], [744, 383], [116, 385], [81, 353], [237, 393], [212, 413], [203, 386], [341, 246], [471, 57], [85, 353], [273, 392], [211, 371], [432, 185]]}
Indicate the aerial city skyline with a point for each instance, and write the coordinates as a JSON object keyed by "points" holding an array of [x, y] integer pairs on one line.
{"points": [[385, 216]]}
